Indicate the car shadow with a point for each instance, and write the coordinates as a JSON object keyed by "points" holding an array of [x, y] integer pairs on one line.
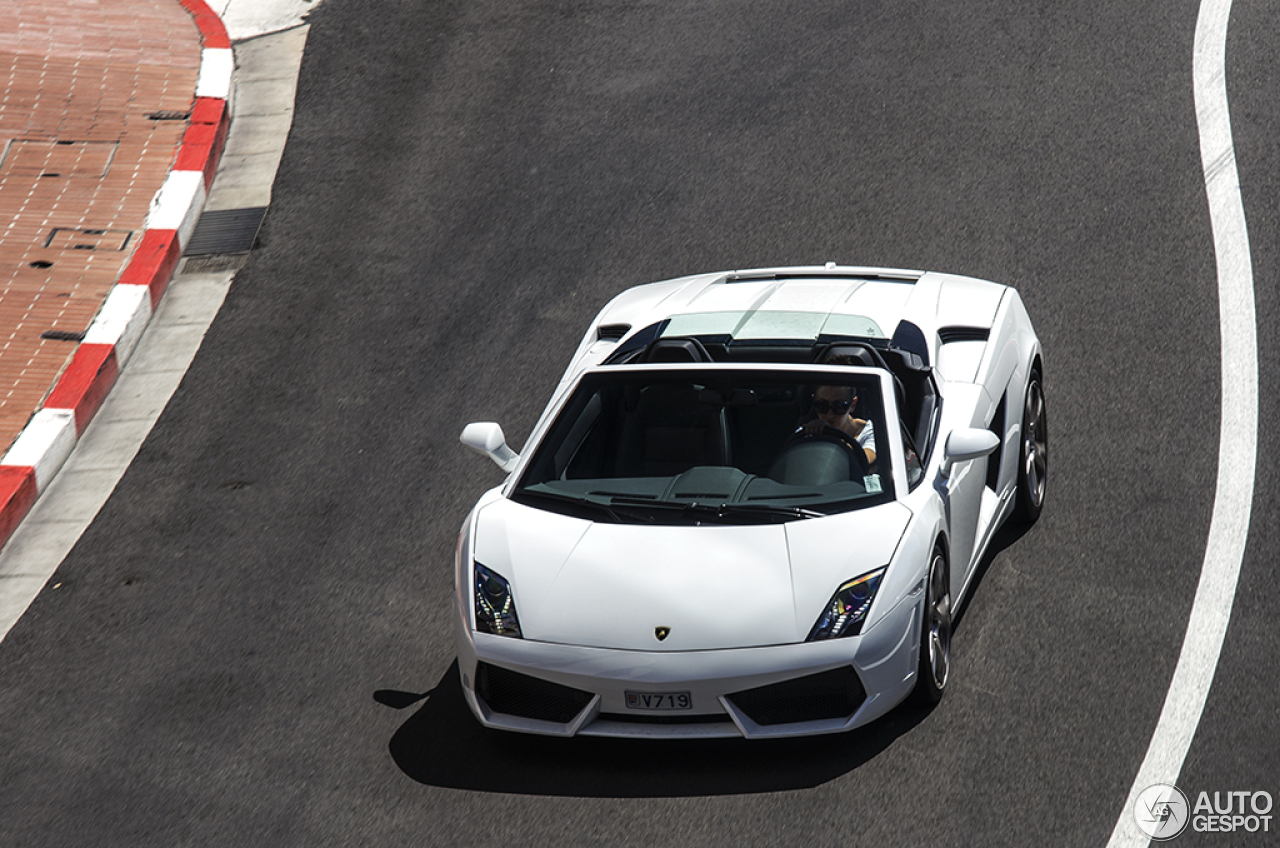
{"points": [[1004, 538], [443, 745]]}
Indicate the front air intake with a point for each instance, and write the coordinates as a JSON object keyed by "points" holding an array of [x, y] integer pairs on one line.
{"points": [[513, 693], [827, 695]]}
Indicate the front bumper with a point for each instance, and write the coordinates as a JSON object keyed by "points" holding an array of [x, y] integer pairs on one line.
{"points": [[776, 691]]}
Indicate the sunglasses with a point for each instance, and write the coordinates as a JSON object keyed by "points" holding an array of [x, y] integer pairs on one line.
{"points": [[839, 407]]}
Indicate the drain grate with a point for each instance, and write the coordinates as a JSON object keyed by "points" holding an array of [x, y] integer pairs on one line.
{"points": [[226, 231], [67, 238], [62, 336], [58, 158]]}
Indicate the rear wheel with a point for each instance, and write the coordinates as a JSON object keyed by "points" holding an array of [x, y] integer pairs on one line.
{"points": [[1033, 461], [935, 637]]}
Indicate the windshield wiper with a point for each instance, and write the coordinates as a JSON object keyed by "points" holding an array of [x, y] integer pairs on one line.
{"points": [[571, 500], [769, 509], [719, 511]]}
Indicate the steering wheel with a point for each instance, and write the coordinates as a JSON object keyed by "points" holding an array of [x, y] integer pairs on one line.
{"points": [[859, 467]]}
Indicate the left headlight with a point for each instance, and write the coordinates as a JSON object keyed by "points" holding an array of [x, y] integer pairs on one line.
{"points": [[495, 608], [847, 609]]}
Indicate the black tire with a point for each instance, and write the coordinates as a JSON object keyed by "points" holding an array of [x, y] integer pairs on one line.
{"points": [[934, 668], [1033, 453]]}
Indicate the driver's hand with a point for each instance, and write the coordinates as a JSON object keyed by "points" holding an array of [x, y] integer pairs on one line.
{"points": [[814, 427]]}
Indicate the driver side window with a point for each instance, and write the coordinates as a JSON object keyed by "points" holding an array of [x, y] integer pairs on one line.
{"points": [[915, 469]]}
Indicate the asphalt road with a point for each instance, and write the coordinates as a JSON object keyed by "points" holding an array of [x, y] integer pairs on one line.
{"points": [[252, 645]]}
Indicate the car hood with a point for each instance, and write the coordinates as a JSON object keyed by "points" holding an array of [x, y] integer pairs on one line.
{"points": [[604, 585]]}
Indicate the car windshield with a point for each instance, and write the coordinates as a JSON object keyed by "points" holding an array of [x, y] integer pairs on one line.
{"points": [[713, 446]]}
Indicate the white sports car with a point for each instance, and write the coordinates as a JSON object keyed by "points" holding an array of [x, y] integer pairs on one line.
{"points": [[751, 505]]}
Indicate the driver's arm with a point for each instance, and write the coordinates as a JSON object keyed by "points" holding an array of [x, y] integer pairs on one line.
{"points": [[867, 438]]}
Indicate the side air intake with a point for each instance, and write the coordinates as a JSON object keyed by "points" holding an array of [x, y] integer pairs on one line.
{"points": [[963, 334], [611, 332]]}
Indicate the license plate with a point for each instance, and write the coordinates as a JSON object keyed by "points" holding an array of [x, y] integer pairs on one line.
{"points": [[659, 701]]}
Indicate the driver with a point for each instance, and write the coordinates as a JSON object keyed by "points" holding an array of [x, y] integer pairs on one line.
{"points": [[834, 406]]}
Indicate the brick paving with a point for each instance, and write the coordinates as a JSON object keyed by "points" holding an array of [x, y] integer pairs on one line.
{"points": [[96, 94]]}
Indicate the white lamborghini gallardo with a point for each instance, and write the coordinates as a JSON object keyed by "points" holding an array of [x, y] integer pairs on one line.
{"points": [[751, 506]]}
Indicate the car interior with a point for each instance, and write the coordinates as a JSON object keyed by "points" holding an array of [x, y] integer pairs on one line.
{"points": [[905, 356]]}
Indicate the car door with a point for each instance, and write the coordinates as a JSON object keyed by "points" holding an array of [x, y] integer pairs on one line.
{"points": [[961, 491], [963, 498]]}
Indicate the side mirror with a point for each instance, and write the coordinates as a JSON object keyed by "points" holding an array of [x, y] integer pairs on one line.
{"points": [[487, 438], [964, 445]]}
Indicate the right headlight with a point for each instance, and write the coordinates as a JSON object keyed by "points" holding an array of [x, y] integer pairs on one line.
{"points": [[847, 609], [495, 608]]}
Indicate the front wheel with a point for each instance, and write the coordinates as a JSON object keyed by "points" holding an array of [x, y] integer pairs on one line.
{"points": [[935, 638], [1033, 459]]}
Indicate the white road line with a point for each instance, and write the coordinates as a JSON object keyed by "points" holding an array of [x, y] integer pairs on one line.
{"points": [[1237, 455]]}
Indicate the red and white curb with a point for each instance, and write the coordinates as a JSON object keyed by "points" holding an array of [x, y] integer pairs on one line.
{"points": [[52, 433]]}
